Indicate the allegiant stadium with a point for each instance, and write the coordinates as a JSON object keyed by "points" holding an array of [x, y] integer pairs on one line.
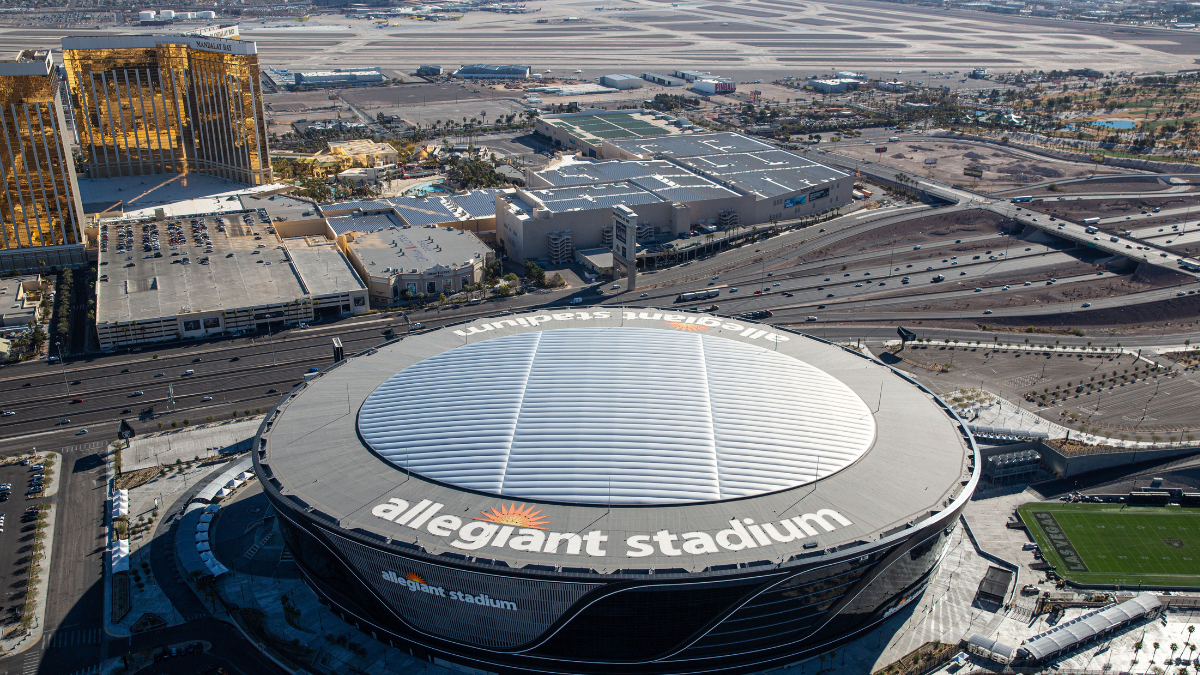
{"points": [[615, 490]]}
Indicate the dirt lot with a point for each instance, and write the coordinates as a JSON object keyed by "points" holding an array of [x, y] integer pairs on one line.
{"points": [[1108, 208], [919, 231], [1001, 169], [1125, 185]]}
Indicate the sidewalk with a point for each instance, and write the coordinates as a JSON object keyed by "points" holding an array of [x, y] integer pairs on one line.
{"points": [[203, 441]]}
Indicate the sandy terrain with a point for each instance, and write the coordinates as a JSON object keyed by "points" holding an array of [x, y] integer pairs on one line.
{"points": [[1001, 169]]}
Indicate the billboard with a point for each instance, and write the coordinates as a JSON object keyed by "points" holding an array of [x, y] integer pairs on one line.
{"points": [[819, 194], [794, 201], [881, 149], [975, 173]]}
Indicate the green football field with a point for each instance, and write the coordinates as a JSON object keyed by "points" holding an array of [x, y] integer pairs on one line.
{"points": [[1115, 545]]}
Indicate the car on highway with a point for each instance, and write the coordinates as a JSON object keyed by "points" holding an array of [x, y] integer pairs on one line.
{"points": [[760, 292], [159, 374], [1086, 304], [206, 398], [928, 269], [829, 295], [236, 358], [9, 413], [78, 400], [272, 391], [81, 432], [64, 421], [978, 290], [314, 369], [136, 393], [189, 371], [788, 295], [643, 295], [716, 276], [616, 286], [810, 318], [1181, 293], [733, 290], [987, 311]]}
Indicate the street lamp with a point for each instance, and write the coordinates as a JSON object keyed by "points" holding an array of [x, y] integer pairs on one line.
{"points": [[63, 363]]}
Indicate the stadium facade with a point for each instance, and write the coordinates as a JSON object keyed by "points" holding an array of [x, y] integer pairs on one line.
{"points": [[615, 490]]}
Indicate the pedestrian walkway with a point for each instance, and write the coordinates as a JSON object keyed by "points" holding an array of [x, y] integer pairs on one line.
{"points": [[74, 638]]}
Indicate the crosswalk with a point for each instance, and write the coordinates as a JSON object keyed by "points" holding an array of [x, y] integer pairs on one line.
{"points": [[30, 666], [73, 638]]}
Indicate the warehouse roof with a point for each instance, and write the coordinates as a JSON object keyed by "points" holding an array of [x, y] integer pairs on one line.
{"points": [[487, 70]]}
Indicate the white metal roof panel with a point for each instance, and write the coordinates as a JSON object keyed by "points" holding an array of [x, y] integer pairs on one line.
{"points": [[617, 415]]}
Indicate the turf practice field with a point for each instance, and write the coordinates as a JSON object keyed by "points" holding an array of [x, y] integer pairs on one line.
{"points": [[1115, 545]]}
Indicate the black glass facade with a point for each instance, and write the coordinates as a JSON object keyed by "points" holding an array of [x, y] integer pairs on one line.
{"points": [[750, 620]]}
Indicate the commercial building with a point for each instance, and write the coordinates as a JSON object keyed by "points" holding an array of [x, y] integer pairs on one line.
{"points": [[489, 72], [474, 211], [429, 71], [714, 86], [664, 80], [690, 75], [339, 77], [209, 283], [154, 104], [400, 261], [615, 491], [365, 151], [586, 131], [621, 81], [21, 298], [40, 210], [834, 85], [674, 183]]}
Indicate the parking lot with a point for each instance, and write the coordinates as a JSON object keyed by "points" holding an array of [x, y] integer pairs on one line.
{"points": [[16, 534]]}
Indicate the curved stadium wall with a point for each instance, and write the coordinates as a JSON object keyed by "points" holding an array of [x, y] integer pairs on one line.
{"points": [[753, 602]]}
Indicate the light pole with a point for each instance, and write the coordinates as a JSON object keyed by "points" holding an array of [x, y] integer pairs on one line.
{"points": [[61, 362]]}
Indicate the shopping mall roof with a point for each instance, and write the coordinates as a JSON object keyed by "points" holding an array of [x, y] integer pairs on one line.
{"points": [[665, 179]]}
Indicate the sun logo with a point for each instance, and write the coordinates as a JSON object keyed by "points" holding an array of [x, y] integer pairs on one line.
{"points": [[685, 327], [413, 576], [518, 516]]}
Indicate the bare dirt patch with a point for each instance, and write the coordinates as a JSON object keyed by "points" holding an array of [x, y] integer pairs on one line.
{"points": [[1001, 169]]}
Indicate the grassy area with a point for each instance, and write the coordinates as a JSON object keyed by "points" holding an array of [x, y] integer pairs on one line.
{"points": [[1116, 545]]}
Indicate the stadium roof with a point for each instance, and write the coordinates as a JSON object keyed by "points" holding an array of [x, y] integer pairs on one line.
{"points": [[914, 464], [1087, 626], [539, 416]]}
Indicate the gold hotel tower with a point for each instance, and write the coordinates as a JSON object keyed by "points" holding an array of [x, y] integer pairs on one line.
{"points": [[40, 210], [152, 104]]}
